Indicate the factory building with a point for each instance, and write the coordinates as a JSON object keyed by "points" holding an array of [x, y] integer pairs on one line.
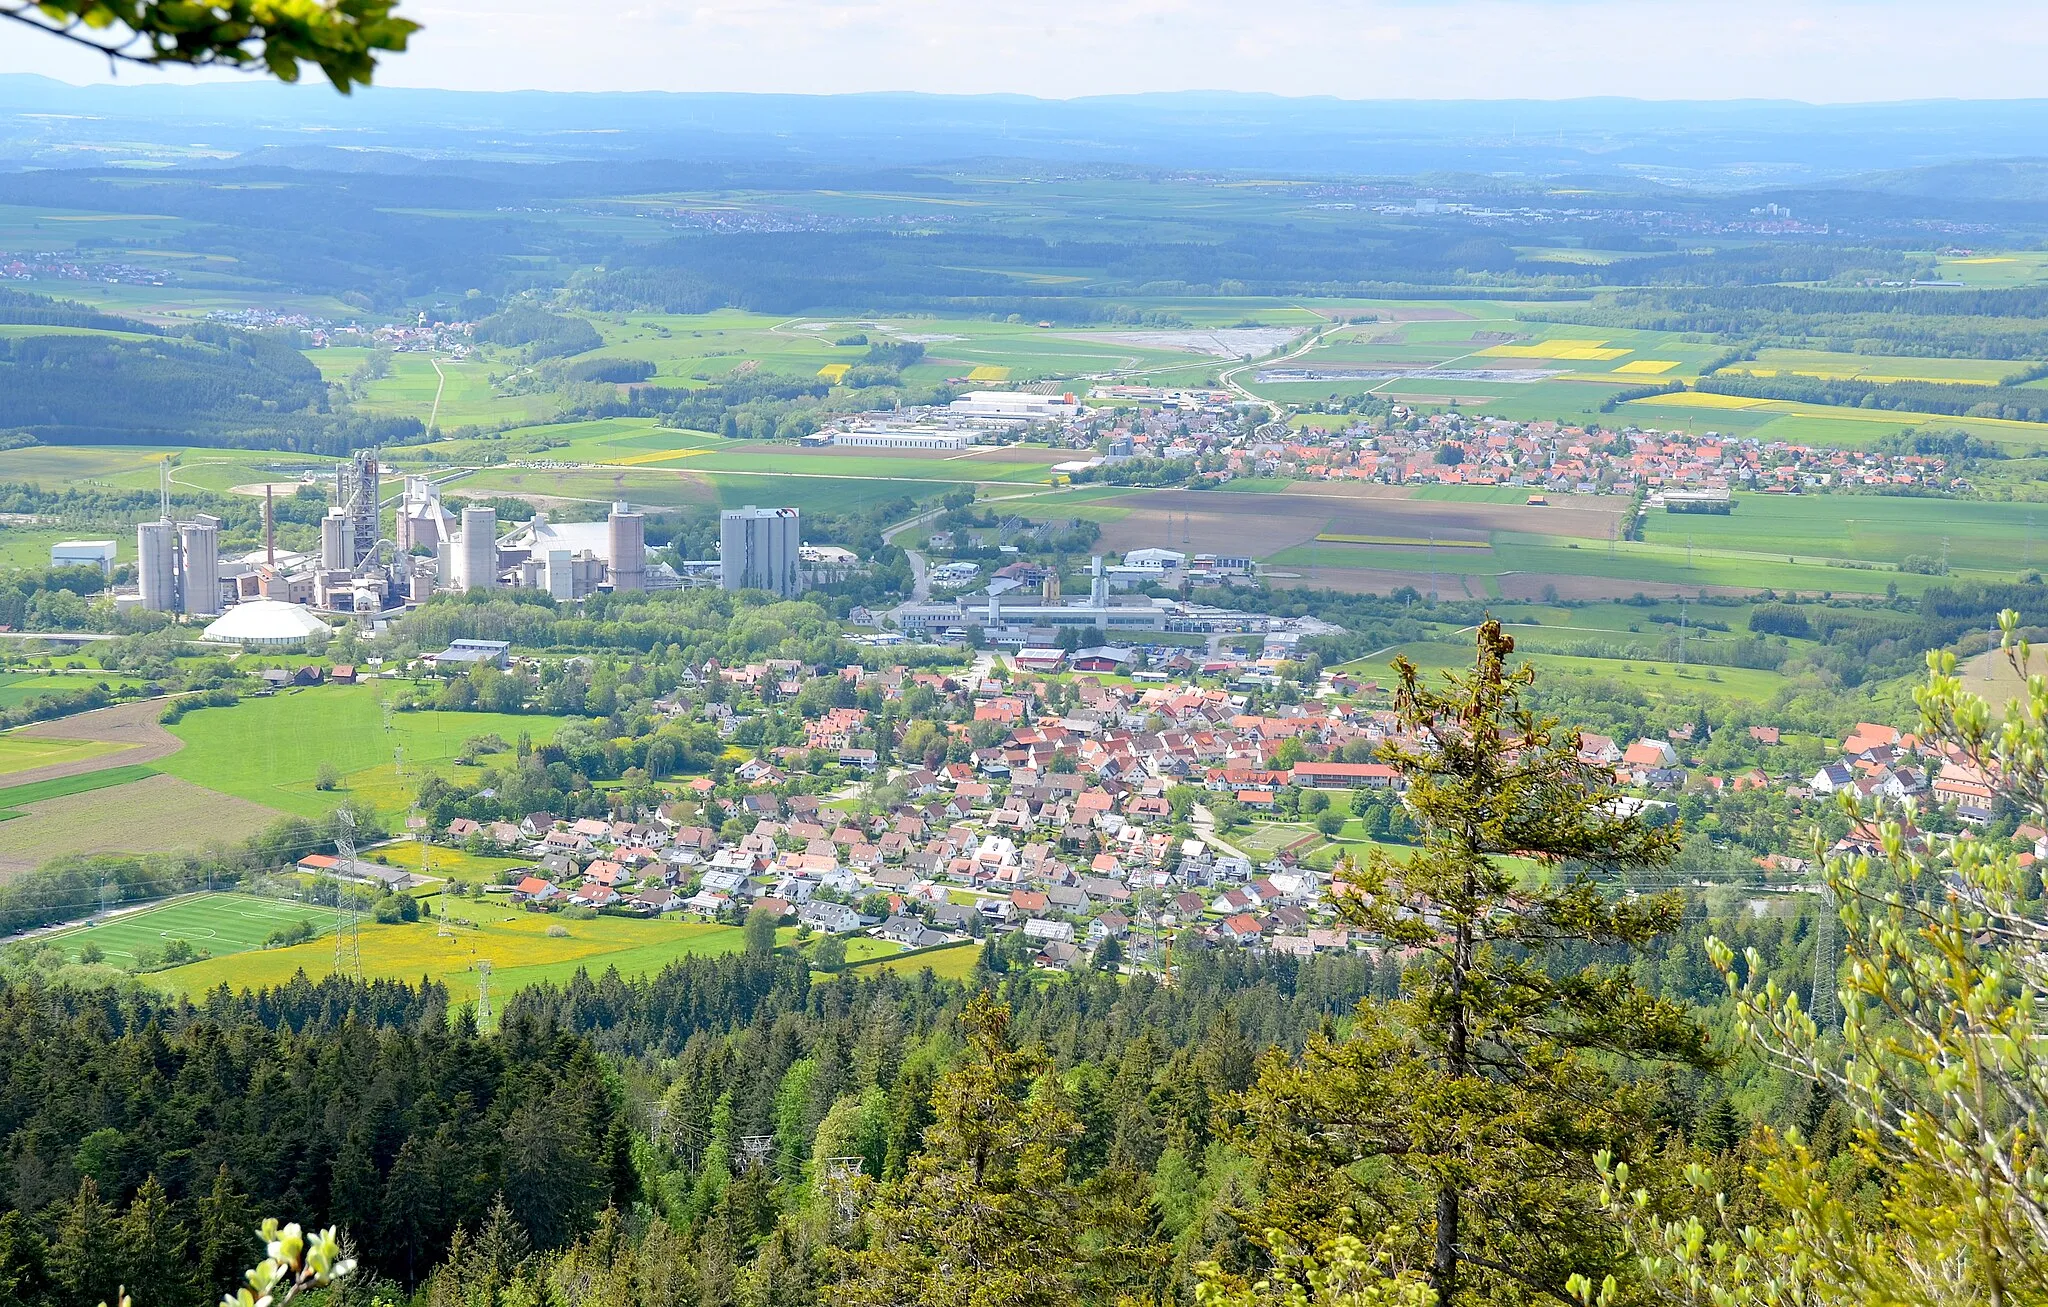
{"points": [[422, 521], [83, 553], [758, 549], [627, 532], [904, 438], [1015, 406], [572, 559], [336, 541]]}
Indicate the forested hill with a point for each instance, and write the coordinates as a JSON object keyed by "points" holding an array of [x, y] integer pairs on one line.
{"points": [[21, 308], [101, 379]]}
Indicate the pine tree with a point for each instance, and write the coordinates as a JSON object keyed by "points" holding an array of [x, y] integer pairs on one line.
{"points": [[1476, 1094], [226, 1221], [85, 1258], [985, 1216], [152, 1244], [412, 1206]]}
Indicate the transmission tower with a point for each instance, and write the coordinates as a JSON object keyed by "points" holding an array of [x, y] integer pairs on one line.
{"points": [[1820, 998], [839, 1179], [483, 992], [754, 1149], [348, 938]]}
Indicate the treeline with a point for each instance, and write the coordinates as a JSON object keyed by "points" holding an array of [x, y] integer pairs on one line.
{"points": [[146, 1130], [20, 308], [975, 271], [1949, 398], [697, 624], [1991, 324], [1865, 643]]}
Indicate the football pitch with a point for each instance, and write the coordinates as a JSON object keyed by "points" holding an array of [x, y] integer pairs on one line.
{"points": [[214, 924]]}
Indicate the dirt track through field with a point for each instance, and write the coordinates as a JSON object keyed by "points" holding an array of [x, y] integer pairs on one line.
{"points": [[134, 725]]}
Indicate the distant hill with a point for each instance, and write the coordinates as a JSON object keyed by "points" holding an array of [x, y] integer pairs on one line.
{"points": [[1992, 180], [1723, 145]]}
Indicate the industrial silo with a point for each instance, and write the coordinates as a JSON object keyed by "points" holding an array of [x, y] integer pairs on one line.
{"points": [[156, 563], [199, 541], [628, 548]]}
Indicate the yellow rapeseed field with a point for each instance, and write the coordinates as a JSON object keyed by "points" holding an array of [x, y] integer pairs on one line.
{"points": [[1573, 351]]}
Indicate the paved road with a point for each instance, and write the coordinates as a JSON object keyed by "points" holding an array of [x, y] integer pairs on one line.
{"points": [[920, 566]]}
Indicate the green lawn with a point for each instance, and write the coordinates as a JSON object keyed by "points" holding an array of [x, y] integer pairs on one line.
{"points": [[269, 750]]}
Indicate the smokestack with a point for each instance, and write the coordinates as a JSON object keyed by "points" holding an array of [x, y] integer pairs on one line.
{"points": [[269, 527]]}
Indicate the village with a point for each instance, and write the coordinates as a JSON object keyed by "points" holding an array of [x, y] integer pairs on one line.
{"points": [[1095, 819]]}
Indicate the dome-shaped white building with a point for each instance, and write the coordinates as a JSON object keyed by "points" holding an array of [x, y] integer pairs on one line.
{"points": [[265, 623]]}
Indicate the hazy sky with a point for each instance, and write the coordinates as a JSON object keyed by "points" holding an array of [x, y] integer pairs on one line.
{"points": [[1822, 50]]}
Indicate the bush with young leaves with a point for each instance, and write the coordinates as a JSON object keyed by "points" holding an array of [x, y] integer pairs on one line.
{"points": [[1941, 1062]]}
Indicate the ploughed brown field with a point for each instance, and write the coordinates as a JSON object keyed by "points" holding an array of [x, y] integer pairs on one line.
{"points": [[1260, 525]]}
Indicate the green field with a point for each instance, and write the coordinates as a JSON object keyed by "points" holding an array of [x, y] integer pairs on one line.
{"points": [[14, 797], [452, 864], [218, 925], [1997, 536], [952, 963], [1658, 678], [269, 750], [25, 752], [517, 944]]}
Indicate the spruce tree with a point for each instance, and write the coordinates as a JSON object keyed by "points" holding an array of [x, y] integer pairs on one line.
{"points": [[1467, 1113]]}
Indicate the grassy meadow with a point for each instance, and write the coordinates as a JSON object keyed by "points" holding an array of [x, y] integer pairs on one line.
{"points": [[269, 750]]}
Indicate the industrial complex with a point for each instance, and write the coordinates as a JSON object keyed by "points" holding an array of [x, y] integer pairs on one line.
{"points": [[273, 596]]}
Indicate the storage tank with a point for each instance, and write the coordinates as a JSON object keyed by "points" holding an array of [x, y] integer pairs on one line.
{"points": [[476, 562], [199, 541], [628, 548], [335, 533], [156, 565]]}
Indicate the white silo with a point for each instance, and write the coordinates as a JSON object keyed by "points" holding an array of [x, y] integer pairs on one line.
{"points": [[336, 531], [156, 565], [476, 562], [628, 541], [199, 542]]}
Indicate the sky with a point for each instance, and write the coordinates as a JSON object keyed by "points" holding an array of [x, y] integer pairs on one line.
{"points": [[1813, 50]]}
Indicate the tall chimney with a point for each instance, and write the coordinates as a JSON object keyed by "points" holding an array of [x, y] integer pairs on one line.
{"points": [[269, 527]]}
